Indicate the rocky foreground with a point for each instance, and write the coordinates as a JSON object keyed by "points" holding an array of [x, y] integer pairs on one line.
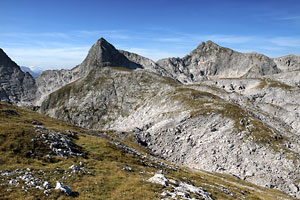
{"points": [[44, 158], [214, 109]]}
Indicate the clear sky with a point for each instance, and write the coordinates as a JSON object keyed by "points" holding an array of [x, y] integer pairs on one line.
{"points": [[58, 33]]}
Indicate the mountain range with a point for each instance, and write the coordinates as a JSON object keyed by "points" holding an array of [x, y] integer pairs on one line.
{"points": [[215, 109], [32, 72]]}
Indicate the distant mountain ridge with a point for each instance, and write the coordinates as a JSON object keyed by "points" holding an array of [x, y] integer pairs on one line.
{"points": [[208, 60], [215, 109], [34, 73], [211, 60]]}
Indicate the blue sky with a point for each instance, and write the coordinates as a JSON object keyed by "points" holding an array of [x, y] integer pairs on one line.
{"points": [[58, 34]]}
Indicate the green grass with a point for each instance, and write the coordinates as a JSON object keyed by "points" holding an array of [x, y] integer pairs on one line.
{"points": [[266, 82], [104, 161]]}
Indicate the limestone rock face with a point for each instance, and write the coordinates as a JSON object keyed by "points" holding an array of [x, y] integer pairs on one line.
{"points": [[49, 81], [210, 60], [103, 54], [119, 93], [288, 63], [16, 86]]}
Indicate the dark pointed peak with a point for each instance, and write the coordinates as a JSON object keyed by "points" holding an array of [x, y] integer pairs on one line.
{"points": [[102, 47], [2, 53], [4, 57], [102, 40], [7, 62], [104, 43], [103, 54]]}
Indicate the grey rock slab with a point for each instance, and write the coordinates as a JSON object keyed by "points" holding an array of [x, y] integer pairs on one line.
{"points": [[63, 188], [159, 179]]}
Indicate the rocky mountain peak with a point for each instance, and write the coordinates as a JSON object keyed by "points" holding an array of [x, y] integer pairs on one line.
{"points": [[1, 51], [208, 43], [16, 86], [210, 60], [209, 47], [103, 54], [103, 42], [5, 61], [103, 47]]}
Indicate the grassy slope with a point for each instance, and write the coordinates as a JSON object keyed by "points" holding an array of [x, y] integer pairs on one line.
{"points": [[105, 161]]}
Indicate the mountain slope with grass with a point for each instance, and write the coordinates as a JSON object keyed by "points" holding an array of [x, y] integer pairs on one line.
{"points": [[247, 127], [200, 126], [98, 165], [215, 110]]}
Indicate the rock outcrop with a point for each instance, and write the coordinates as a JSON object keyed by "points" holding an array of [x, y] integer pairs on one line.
{"points": [[210, 60], [50, 81], [180, 190], [103, 54], [288, 63], [16, 87], [63, 188]]}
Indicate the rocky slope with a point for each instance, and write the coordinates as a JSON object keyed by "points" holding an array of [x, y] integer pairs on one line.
{"points": [[44, 158], [214, 109], [243, 126], [210, 60], [16, 86], [200, 126]]}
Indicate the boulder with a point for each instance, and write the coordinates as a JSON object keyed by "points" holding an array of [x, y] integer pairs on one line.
{"points": [[159, 179], [63, 188]]}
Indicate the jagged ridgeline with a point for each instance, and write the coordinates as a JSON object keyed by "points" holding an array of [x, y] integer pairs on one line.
{"points": [[215, 109]]}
